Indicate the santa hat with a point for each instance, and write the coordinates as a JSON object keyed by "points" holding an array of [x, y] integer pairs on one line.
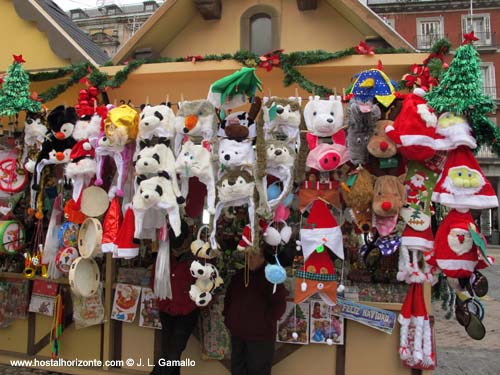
{"points": [[321, 228], [81, 169], [453, 131], [455, 253], [462, 167], [414, 312], [111, 225], [414, 129], [124, 245]]}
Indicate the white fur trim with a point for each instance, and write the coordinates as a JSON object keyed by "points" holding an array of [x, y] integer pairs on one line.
{"points": [[476, 202], [417, 140], [311, 239], [108, 247], [417, 243], [457, 264], [82, 167], [419, 91]]}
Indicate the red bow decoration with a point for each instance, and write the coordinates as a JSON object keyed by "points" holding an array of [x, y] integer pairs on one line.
{"points": [[18, 58], [469, 38], [1, 80], [270, 60], [34, 96], [193, 59], [364, 49]]}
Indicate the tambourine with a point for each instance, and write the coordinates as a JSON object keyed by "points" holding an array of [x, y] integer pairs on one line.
{"points": [[68, 234], [84, 277], [65, 257], [95, 201], [90, 238], [13, 178], [11, 237]]}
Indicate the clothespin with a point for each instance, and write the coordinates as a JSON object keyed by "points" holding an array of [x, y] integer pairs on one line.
{"points": [[147, 100]]}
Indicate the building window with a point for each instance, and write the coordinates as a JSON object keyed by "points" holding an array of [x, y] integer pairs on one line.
{"points": [[259, 29], [489, 82], [429, 30], [260, 34], [480, 24]]}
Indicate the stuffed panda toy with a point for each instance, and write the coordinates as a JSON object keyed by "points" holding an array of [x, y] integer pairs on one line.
{"points": [[153, 160], [207, 280], [156, 193]]}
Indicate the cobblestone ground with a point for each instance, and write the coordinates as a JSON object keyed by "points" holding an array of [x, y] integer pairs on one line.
{"points": [[457, 353]]}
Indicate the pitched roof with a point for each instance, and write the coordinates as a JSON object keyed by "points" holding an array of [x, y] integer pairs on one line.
{"points": [[173, 15], [65, 38]]}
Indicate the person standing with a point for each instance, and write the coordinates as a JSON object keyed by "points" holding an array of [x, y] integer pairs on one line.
{"points": [[178, 315], [250, 313]]}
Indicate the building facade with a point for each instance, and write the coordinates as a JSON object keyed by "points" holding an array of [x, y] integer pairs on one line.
{"points": [[111, 25], [422, 22]]}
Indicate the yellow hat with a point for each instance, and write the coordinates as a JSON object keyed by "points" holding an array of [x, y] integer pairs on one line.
{"points": [[122, 124]]}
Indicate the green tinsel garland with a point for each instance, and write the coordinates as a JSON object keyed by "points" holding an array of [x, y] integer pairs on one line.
{"points": [[79, 72], [288, 64]]}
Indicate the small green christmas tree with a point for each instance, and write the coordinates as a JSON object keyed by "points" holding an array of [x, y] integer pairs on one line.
{"points": [[460, 90], [15, 96]]}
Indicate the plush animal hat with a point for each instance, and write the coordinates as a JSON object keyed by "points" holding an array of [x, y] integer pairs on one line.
{"points": [[462, 183], [156, 121]]}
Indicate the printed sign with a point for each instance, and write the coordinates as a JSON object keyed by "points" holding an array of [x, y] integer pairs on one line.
{"points": [[380, 319]]}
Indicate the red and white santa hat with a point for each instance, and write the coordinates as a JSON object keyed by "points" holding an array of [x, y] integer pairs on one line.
{"points": [[452, 131], [414, 129], [455, 257], [321, 228], [124, 245], [111, 225], [414, 311], [464, 167], [417, 240]]}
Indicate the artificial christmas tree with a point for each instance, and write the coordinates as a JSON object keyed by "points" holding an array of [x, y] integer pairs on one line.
{"points": [[15, 96], [461, 91]]}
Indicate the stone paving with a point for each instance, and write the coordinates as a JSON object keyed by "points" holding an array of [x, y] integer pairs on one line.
{"points": [[457, 354]]}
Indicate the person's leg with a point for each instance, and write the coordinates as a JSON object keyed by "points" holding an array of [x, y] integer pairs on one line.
{"points": [[238, 356], [182, 327], [260, 357], [166, 327]]}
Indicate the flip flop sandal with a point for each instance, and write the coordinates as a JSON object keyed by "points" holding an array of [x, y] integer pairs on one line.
{"points": [[479, 284], [475, 329], [462, 313], [475, 307]]}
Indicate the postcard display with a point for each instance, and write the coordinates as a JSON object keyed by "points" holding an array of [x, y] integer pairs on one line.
{"points": [[347, 186]]}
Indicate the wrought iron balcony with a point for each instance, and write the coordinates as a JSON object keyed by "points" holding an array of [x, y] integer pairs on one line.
{"points": [[384, 6], [426, 41]]}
